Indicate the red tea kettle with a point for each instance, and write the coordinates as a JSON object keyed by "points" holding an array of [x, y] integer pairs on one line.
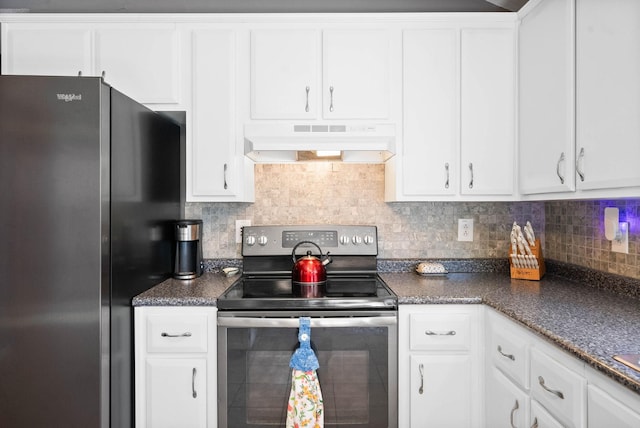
{"points": [[309, 270]]}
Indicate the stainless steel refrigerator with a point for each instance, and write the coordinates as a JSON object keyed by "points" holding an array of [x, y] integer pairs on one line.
{"points": [[89, 188]]}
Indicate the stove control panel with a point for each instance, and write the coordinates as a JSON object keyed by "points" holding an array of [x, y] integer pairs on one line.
{"points": [[338, 240]]}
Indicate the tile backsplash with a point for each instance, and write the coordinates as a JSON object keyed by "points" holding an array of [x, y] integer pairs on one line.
{"points": [[575, 234], [325, 193]]}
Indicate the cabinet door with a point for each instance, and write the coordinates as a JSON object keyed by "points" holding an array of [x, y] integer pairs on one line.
{"points": [[546, 99], [605, 411], [176, 393], [46, 49], [284, 74], [441, 394], [356, 74], [487, 111], [607, 93], [506, 404], [540, 418], [213, 165], [140, 60], [430, 112]]}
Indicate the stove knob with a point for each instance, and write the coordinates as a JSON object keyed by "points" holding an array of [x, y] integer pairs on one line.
{"points": [[262, 240], [251, 240], [344, 240], [368, 239], [357, 240]]}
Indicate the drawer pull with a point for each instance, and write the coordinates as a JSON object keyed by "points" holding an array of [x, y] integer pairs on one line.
{"points": [[306, 107], [535, 423], [440, 333], [516, 406], [552, 391], [509, 356], [193, 383], [421, 368], [187, 334]]}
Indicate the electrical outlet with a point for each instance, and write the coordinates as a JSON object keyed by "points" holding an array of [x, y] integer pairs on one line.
{"points": [[621, 244], [465, 229], [239, 225]]}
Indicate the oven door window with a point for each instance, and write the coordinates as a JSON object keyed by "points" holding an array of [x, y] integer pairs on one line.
{"points": [[353, 375]]}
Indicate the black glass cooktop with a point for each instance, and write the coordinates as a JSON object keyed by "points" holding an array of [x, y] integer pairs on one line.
{"points": [[279, 293]]}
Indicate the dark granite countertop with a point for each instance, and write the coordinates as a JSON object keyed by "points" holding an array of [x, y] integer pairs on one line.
{"points": [[587, 321]]}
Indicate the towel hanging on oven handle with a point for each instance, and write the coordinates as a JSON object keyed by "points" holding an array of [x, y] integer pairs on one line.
{"points": [[305, 408]]}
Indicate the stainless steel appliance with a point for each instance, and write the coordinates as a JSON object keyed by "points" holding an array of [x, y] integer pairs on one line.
{"points": [[90, 188], [353, 330], [188, 263]]}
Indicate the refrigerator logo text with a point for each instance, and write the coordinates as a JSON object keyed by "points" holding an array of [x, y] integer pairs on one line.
{"points": [[69, 97]]}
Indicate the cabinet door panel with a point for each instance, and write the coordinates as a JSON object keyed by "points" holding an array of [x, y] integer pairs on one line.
{"points": [[506, 404], [540, 418], [608, 93], [46, 49], [446, 395], [430, 112], [546, 99], [605, 411], [356, 64], [141, 61], [212, 163], [176, 393], [284, 63], [487, 111]]}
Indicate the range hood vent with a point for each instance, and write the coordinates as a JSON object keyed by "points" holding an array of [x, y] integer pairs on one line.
{"points": [[283, 143]]}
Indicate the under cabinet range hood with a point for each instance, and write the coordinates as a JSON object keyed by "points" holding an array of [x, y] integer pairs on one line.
{"points": [[285, 142]]}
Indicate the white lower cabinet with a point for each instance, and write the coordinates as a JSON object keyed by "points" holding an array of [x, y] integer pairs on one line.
{"points": [[175, 366], [440, 366], [532, 383]]}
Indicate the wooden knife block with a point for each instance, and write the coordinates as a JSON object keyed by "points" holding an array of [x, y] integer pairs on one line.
{"points": [[529, 273]]}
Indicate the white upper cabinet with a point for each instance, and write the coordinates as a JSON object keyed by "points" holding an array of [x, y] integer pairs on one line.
{"points": [[608, 94], [47, 49], [356, 74], [459, 101], [430, 106], [139, 59], [487, 111], [217, 170], [321, 73], [546, 99], [285, 81]]}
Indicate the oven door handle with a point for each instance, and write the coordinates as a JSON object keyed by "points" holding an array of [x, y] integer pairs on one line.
{"points": [[242, 322]]}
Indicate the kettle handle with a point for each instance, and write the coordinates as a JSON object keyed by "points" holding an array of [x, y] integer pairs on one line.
{"points": [[293, 252]]}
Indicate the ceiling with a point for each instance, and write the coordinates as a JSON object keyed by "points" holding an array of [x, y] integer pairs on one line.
{"points": [[260, 6]]}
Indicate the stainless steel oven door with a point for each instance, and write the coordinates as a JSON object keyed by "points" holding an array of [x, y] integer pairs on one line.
{"points": [[358, 359]]}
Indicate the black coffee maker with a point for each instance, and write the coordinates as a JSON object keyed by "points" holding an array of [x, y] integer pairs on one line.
{"points": [[188, 235]]}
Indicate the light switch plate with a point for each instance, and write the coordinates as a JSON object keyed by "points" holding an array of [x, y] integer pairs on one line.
{"points": [[465, 229], [239, 225]]}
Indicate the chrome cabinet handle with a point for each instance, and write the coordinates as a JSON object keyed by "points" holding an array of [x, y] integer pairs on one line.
{"points": [[104, 74], [421, 368], [186, 334], [509, 356], [515, 407], [225, 176], [331, 98], [193, 383], [558, 168], [578, 163], [535, 423], [552, 391], [471, 172], [441, 333], [306, 107], [80, 73], [446, 168]]}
